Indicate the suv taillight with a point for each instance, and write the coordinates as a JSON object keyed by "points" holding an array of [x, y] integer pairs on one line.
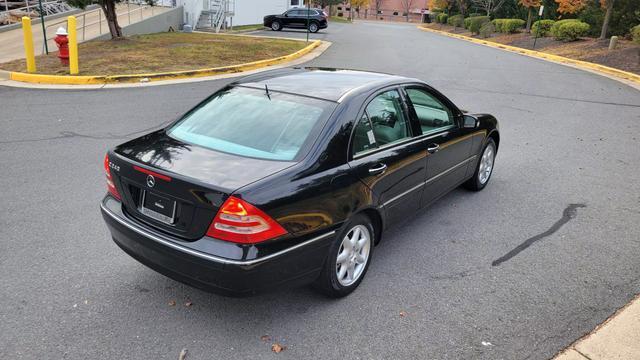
{"points": [[111, 186], [240, 222]]}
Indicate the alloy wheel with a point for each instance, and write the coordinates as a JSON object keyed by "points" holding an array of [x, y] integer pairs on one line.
{"points": [[353, 255], [486, 164]]}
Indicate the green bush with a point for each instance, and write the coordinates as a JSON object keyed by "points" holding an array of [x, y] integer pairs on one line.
{"points": [[487, 29], [569, 30], [542, 27], [635, 34], [508, 25], [456, 20], [442, 18], [476, 22]]}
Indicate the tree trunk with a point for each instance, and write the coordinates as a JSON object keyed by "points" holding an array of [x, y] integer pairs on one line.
{"points": [[607, 17], [529, 18], [109, 8], [461, 6]]}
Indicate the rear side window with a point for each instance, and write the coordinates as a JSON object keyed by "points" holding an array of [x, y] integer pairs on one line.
{"points": [[247, 122]]}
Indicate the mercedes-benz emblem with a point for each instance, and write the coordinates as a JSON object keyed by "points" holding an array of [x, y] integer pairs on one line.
{"points": [[151, 181]]}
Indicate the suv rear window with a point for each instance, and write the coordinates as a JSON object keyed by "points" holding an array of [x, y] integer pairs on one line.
{"points": [[247, 122]]}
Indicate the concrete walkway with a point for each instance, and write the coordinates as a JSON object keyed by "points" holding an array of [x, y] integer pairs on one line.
{"points": [[11, 42], [616, 338]]}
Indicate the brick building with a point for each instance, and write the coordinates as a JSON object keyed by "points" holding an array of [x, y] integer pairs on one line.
{"points": [[387, 10]]}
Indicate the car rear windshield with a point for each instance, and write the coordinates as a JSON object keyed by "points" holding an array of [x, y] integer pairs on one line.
{"points": [[251, 122]]}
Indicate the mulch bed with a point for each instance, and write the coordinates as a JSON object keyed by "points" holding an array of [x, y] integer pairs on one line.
{"points": [[625, 57]]}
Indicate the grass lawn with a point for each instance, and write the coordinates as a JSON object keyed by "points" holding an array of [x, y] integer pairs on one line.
{"points": [[339, 19], [247, 28], [161, 52]]}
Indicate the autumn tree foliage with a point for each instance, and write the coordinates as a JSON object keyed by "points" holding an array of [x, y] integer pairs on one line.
{"points": [[530, 5], [438, 4], [570, 6]]}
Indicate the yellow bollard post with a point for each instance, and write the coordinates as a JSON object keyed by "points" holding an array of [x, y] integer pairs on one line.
{"points": [[28, 44], [73, 45]]}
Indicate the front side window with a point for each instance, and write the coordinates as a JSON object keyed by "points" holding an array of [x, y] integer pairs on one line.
{"points": [[387, 118], [248, 122], [432, 114]]}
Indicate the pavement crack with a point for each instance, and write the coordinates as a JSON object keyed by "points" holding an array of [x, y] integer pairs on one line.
{"points": [[569, 213]]}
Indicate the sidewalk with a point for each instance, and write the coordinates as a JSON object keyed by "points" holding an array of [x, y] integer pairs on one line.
{"points": [[11, 42], [616, 338]]}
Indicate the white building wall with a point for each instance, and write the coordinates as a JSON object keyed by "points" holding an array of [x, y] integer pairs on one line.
{"points": [[249, 12]]}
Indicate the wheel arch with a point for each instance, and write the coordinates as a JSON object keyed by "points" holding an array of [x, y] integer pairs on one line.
{"points": [[376, 220], [496, 138]]}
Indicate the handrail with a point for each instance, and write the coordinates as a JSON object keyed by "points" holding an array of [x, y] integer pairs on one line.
{"points": [[101, 18]]}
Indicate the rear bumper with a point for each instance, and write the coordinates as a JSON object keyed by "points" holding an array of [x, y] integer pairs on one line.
{"points": [[212, 268]]}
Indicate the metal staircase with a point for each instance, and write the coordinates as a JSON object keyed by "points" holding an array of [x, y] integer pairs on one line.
{"points": [[215, 13]]}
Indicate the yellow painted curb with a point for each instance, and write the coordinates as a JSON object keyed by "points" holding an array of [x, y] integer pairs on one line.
{"points": [[584, 65], [109, 79]]}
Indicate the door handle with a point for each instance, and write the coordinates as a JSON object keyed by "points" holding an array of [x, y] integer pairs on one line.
{"points": [[378, 169], [433, 148]]}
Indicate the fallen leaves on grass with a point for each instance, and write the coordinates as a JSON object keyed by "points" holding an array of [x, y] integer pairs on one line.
{"points": [[277, 348]]}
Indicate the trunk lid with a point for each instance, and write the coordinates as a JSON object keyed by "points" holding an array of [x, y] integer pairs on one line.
{"points": [[189, 183]]}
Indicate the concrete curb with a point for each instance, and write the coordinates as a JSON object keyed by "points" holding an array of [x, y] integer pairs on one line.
{"points": [[111, 79], [628, 78]]}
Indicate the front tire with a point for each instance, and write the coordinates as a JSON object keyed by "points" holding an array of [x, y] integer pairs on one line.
{"points": [[276, 26], [348, 259], [484, 169]]}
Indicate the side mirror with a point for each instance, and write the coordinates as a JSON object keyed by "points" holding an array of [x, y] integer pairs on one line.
{"points": [[469, 122]]}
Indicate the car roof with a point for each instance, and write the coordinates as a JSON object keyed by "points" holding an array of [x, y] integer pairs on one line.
{"points": [[323, 83]]}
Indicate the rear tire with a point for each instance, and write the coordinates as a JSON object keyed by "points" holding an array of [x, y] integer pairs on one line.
{"points": [[348, 259], [484, 169], [276, 26], [313, 27]]}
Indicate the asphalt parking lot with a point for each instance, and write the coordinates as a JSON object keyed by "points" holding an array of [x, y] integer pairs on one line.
{"points": [[518, 271]]}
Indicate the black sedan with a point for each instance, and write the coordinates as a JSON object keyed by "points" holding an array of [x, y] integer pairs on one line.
{"points": [[275, 181], [298, 18]]}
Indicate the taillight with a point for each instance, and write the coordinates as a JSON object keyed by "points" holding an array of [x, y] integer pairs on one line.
{"points": [[111, 186], [240, 222]]}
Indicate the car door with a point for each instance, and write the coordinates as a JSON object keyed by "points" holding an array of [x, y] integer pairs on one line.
{"points": [[385, 156], [448, 146], [296, 19]]}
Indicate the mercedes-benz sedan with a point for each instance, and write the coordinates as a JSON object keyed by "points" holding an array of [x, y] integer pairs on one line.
{"points": [[290, 177]]}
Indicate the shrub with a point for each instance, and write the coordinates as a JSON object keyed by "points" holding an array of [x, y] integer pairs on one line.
{"points": [[635, 34], [456, 20], [442, 18], [508, 25], [542, 27], [487, 29], [476, 23], [569, 30]]}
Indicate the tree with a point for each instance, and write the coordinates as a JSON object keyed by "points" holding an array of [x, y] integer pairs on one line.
{"points": [[489, 5], [570, 6], [438, 4], [109, 9], [378, 4], [406, 7], [530, 4], [358, 4], [607, 4]]}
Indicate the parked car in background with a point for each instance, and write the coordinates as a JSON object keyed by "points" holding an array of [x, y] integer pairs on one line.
{"points": [[298, 18], [274, 180]]}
